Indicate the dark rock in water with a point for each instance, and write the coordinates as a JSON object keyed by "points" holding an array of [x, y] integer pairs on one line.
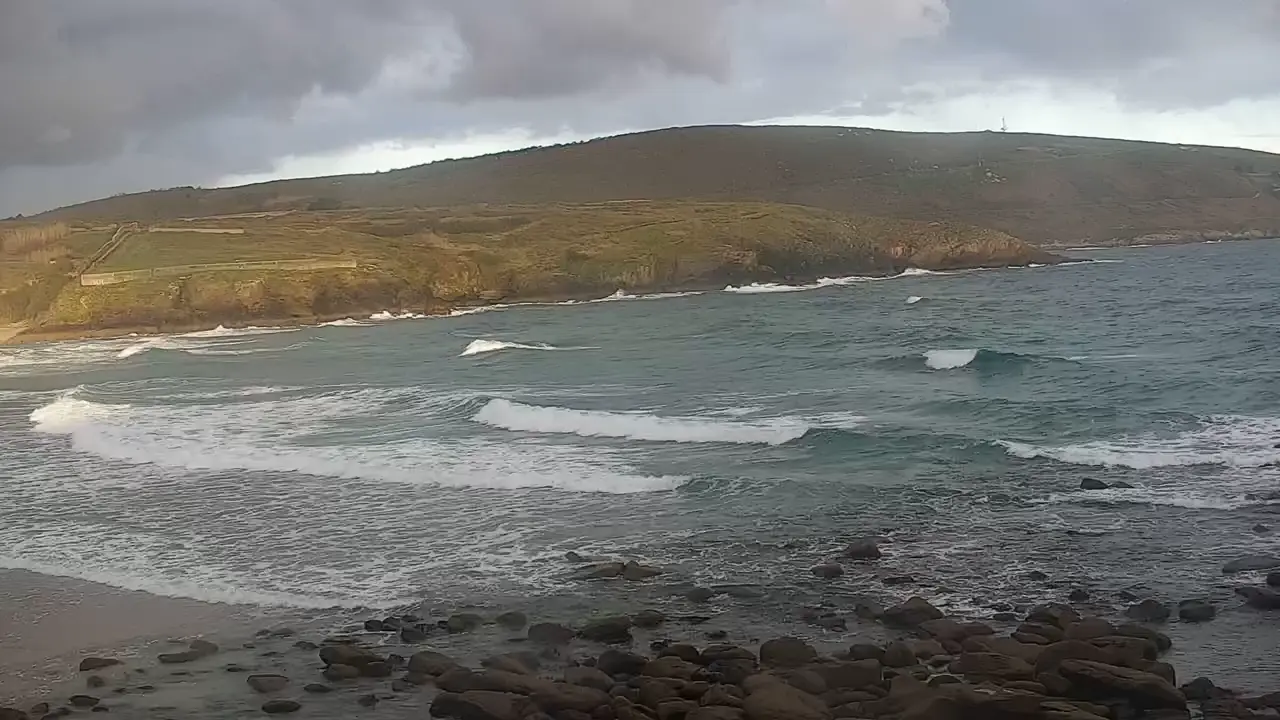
{"points": [[911, 613], [829, 571], [1093, 484], [603, 571], [376, 670], [1261, 529], [1251, 563], [618, 662], [306, 645], [514, 620], [100, 709], [609, 630], [39, 710], [90, 664], [1128, 596], [716, 634], [865, 651], [197, 650], [700, 594], [1273, 579], [1088, 629], [635, 572], [1148, 610], [559, 697], [898, 580], [1160, 640], [204, 647], [373, 625], [12, 714], [95, 681], [349, 655], [786, 652], [688, 653], [863, 549], [1006, 617], [481, 705], [868, 609], [367, 700], [1196, 611], [1078, 596], [83, 701], [1260, 598], [898, 655], [1201, 689], [522, 663], [463, 622], [1142, 689], [1037, 576], [337, 673], [1121, 485], [391, 624], [267, 683], [317, 689], [281, 707], [412, 635], [648, 619], [430, 662], [572, 556]]}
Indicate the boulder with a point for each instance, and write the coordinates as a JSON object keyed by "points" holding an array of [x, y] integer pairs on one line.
{"points": [[523, 663], [463, 622], [1196, 611], [786, 652], [83, 701], [463, 680], [1052, 633], [1260, 598], [338, 672], [376, 670], [550, 634], [90, 664], [196, 650], [1159, 639], [911, 613], [780, 701], [990, 666], [1126, 650], [865, 651], [1093, 484], [700, 595], [1251, 563], [1054, 614], [898, 655], [512, 620], [411, 635], [13, 714], [267, 683], [716, 712], [1088, 629], [480, 705], [557, 696], [317, 689], [618, 662], [807, 680], [863, 549], [852, 675], [676, 709], [648, 619], [609, 630], [588, 677], [1078, 596], [352, 655], [720, 694], [635, 572], [1143, 690], [827, 571], [655, 691], [1151, 611], [685, 652], [672, 667], [281, 707], [431, 663]]}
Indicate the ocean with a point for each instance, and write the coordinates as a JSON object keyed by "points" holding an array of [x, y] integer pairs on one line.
{"points": [[735, 438]]}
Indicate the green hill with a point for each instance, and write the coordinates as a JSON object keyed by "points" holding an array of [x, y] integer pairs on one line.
{"points": [[1050, 190]]}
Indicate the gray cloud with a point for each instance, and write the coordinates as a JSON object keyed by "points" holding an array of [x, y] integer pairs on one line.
{"points": [[132, 94]]}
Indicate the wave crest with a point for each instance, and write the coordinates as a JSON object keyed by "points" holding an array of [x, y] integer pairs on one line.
{"points": [[1231, 441], [480, 347], [949, 359]]}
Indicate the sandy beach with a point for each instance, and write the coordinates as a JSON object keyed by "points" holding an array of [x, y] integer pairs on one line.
{"points": [[47, 624]]}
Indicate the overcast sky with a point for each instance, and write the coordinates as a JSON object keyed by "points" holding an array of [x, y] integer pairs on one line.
{"points": [[105, 96]]}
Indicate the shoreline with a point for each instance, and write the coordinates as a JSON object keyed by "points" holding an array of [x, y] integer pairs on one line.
{"points": [[422, 660], [28, 336]]}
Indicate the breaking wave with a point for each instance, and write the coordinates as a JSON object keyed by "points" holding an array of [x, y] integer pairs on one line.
{"points": [[987, 360], [480, 347], [276, 436], [914, 299], [509, 415], [1225, 440], [949, 359]]}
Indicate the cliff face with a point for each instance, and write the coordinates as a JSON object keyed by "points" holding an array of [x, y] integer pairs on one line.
{"points": [[431, 260], [1048, 190]]}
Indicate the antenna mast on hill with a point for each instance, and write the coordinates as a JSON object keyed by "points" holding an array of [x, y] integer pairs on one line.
{"points": [[1004, 126]]}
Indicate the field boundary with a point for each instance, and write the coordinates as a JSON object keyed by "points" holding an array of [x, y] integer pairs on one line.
{"points": [[123, 276]]}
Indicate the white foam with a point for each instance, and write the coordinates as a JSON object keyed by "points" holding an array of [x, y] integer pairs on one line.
{"points": [[755, 288], [1232, 441], [386, 315], [912, 300], [1167, 497], [480, 347], [949, 359], [226, 332], [260, 436], [508, 415], [344, 322]]}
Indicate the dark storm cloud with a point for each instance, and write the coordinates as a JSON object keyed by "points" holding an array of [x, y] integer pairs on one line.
{"points": [[131, 94]]}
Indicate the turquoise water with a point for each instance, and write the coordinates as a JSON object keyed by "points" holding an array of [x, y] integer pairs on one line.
{"points": [[735, 438]]}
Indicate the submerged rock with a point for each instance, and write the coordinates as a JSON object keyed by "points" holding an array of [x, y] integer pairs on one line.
{"points": [[513, 620], [786, 652], [281, 707], [1250, 563], [828, 571], [863, 549], [1148, 610], [90, 664], [550, 634], [1196, 611], [1093, 484], [911, 613], [610, 630], [267, 683], [1260, 598]]}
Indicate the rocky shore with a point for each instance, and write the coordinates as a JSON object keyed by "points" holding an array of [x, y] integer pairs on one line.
{"points": [[1049, 662]]}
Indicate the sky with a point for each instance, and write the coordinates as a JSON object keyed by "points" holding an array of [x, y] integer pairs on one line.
{"points": [[111, 96]]}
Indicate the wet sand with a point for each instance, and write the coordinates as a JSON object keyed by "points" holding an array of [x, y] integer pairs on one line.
{"points": [[48, 624]]}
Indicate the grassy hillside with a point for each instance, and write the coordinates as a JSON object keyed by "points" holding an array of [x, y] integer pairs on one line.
{"points": [[1054, 191], [429, 260], [38, 259]]}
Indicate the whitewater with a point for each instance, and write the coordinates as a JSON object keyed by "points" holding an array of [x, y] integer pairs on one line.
{"points": [[737, 436]]}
